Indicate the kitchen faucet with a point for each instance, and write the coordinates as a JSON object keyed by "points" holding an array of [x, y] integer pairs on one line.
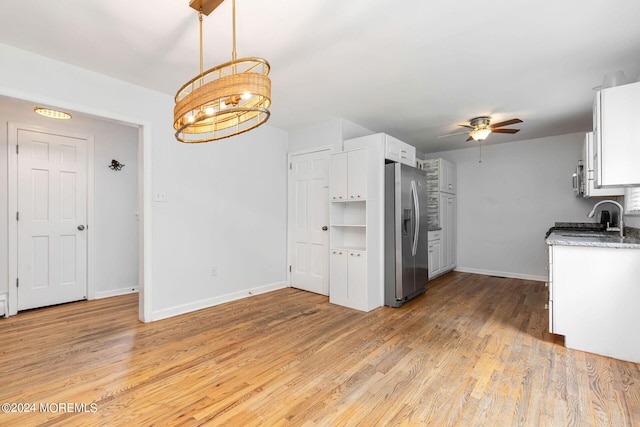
{"points": [[620, 227]]}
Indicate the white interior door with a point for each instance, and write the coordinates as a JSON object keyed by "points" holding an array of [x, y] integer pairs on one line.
{"points": [[309, 221], [52, 212]]}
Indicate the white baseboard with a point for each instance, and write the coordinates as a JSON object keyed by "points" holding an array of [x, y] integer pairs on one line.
{"points": [[210, 302], [502, 274], [116, 292]]}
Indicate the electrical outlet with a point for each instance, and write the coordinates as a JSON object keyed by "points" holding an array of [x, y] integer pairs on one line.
{"points": [[214, 270], [161, 197]]}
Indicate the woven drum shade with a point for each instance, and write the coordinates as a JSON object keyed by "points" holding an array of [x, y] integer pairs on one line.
{"points": [[224, 101]]}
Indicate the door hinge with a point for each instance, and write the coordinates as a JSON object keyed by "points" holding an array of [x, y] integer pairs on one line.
{"points": [[290, 166], [289, 269], [18, 216], [17, 149], [17, 282]]}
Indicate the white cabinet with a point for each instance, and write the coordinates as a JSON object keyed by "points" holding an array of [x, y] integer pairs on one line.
{"points": [[616, 130], [448, 206], [399, 151], [349, 175], [434, 253], [442, 213], [447, 177], [594, 294], [590, 190], [355, 256], [392, 148], [348, 278]]}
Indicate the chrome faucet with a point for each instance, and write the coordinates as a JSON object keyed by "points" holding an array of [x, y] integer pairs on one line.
{"points": [[620, 227]]}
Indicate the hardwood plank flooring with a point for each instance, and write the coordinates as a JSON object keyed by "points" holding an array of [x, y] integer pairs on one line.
{"points": [[473, 351]]}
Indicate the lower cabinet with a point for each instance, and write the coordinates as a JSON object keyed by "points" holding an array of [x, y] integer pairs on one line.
{"points": [[434, 252], [593, 299], [348, 278]]}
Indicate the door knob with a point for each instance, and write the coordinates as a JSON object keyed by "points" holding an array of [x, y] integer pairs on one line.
{"points": [[81, 227], [324, 228]]}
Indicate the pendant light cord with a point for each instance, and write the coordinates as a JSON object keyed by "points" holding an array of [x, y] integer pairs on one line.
{"points": [[233, 14], [201, 62]]}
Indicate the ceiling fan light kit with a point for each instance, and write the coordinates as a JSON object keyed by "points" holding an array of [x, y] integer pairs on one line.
{"points": [[481, 127], [225, 100]]}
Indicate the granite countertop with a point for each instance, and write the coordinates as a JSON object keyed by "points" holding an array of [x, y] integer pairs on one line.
{"points": [[595, 238]]}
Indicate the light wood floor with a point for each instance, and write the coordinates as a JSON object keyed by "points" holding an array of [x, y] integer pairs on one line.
{"points": [[473, 351]]}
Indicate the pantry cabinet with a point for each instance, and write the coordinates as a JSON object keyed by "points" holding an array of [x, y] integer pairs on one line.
{"points": [[442, 213], [355, 256], [616, 130]]}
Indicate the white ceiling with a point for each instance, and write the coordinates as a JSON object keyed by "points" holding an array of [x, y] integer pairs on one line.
{"points": [[413, 69]]}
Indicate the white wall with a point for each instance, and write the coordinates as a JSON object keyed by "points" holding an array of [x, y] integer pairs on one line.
{"points": [[508, 202], [329, 133], [115, 228], [226, 201]]}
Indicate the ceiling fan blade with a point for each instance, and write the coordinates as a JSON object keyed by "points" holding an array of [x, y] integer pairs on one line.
{"points": [[506, 123], [469, 139], [453, 134], [466, 126], [505, 130]]}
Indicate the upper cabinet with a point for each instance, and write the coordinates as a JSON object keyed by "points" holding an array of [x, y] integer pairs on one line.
{"points": [[441, 175], [399, 151], [616, 131], [589, 188], [392, 148], [349, 176]]}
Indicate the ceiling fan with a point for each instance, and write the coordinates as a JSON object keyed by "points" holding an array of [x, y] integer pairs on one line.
{"points": [[481, 127]]}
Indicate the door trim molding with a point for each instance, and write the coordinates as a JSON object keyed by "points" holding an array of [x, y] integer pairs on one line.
{"points": [[12, 182], [290, 154]]}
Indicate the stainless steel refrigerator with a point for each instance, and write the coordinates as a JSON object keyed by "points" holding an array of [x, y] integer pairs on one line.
{"points": [[406, 268]]}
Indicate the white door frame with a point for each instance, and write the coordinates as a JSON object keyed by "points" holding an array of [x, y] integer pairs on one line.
{"points": [[12, 158], [328, 148], [145, 201]]}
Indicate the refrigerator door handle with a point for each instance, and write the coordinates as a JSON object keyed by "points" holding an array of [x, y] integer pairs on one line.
{"points": [[416, 207]]}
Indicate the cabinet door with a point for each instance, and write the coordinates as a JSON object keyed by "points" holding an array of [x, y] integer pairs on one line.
{"points": [[435, 258], [447, 222], [357, 174], [357, 277], [338, 177], [618, 144], [453, 231], [338, 274], [590, 190], [408, 154], [447, 177], [392, 148]]}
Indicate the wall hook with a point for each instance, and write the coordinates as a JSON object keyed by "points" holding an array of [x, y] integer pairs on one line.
{"points": [[115, 165]]}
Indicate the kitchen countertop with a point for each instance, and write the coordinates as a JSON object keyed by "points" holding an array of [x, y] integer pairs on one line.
{"points": [[599, 239]]}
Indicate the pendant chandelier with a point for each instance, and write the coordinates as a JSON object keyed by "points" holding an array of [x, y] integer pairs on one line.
{"points": [[225, 100]]}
